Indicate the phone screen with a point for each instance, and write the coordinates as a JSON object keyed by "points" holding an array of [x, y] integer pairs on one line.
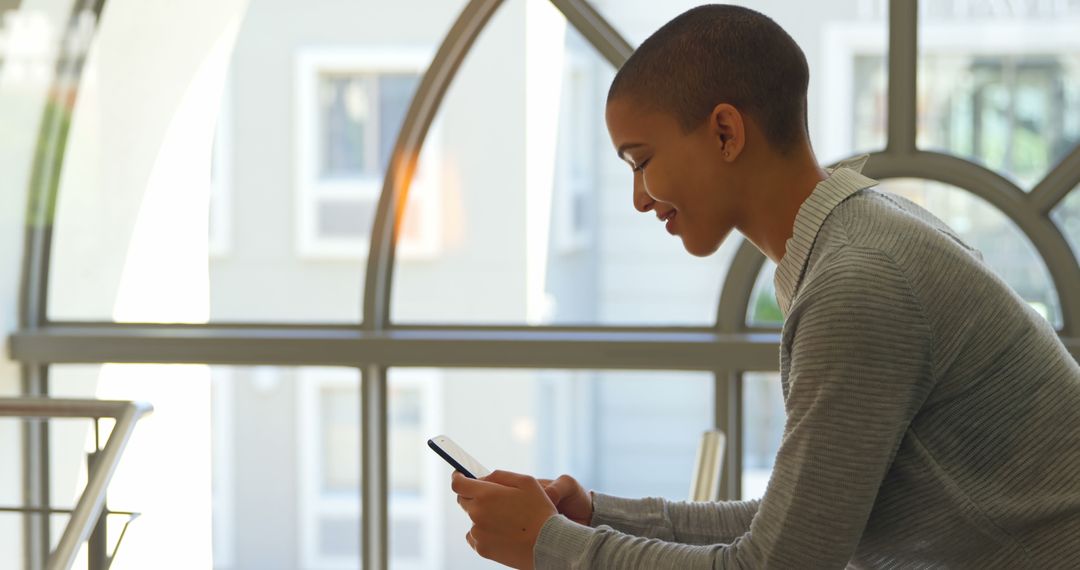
{"points": [[457, 457]]}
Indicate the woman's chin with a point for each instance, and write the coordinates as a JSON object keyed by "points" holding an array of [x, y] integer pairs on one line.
{"points": [[700, 248]]}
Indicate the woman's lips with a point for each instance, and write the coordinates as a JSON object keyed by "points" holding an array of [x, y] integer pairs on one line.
{"points": [[670, 217]]}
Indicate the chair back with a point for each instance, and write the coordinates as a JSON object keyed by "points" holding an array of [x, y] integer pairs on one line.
{"points": [[705, 484]]}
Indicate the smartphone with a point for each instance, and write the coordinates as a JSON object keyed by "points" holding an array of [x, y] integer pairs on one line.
{"points": [[457, 458]]}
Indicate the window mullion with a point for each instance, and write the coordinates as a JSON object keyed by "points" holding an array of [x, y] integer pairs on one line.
{"points": [[1053, 188], [903, 60], [374, 469]]}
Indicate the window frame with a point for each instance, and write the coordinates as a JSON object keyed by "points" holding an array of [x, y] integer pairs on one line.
{"points": [[425, 196], [313, 503], [429, 383], [726, 349], [848, 40], [570, 186]]}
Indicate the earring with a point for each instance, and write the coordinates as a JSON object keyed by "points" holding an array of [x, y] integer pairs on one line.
{"points": [[727, 154]]}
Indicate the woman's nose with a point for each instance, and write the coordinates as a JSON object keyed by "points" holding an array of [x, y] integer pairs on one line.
{"points": [[642, 201]]}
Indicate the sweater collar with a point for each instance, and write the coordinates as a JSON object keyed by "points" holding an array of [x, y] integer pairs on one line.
{"points": [[843, 181]]}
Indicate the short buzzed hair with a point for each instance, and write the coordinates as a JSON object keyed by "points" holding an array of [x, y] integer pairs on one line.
{"points": [[716, 54]]}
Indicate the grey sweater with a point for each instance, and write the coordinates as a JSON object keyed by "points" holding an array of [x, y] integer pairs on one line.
{"points": [[933, 418]]}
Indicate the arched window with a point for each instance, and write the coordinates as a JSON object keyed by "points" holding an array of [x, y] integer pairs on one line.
{"points": [[427, 231]]}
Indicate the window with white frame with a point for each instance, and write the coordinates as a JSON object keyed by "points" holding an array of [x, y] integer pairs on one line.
{"points": [[1012, 105], [1013, 112], [329, 426], [416, 477], [572, 219], [350, 107], [328, 431]]}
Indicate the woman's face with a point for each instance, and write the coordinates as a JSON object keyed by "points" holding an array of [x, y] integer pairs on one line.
{"points": [[682, 177]]}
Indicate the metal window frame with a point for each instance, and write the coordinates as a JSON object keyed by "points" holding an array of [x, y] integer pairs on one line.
{"points": [[726, 349]]}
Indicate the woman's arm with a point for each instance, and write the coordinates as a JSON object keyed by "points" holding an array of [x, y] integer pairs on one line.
{"points": [[860, 369]]}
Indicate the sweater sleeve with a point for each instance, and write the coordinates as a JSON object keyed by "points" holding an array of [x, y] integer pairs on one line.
{"points": [[860, 368], [684, 522]]}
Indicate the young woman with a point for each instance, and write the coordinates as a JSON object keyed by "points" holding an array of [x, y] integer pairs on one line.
{"points": [[933, 419]]}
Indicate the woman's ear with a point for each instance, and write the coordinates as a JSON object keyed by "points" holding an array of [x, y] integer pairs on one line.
{"points": [[726, 124]]}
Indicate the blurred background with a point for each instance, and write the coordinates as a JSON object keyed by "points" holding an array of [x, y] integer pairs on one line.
{"points": [[223, 165]]}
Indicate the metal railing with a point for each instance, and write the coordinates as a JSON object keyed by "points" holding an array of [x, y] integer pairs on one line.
{"points": [[89, 507]]}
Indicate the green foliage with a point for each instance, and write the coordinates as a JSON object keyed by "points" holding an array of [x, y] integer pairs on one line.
{"points": [[765, 310]]}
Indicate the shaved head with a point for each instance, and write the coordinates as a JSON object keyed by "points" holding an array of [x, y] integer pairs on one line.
{"points": [[717, 54]]}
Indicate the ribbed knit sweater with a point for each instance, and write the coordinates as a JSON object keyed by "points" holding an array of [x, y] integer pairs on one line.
{"points": [[933, 418]]}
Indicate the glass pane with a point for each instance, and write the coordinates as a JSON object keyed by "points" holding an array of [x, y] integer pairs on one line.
{"points": [[764, 310], [763, 422], [395, 94], [346, 218], [339, 438], [169, 449], [600, 427], [870, 93], [537, 223], [355, 110], [1005, 249], [845, 46], [345, 109], [1010, 99], [261, 464], [1067, 216], [200, 167], [637, 20]]}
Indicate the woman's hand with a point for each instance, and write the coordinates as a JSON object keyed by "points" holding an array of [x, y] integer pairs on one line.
{"points": [[508, 511], [570, 498]]}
